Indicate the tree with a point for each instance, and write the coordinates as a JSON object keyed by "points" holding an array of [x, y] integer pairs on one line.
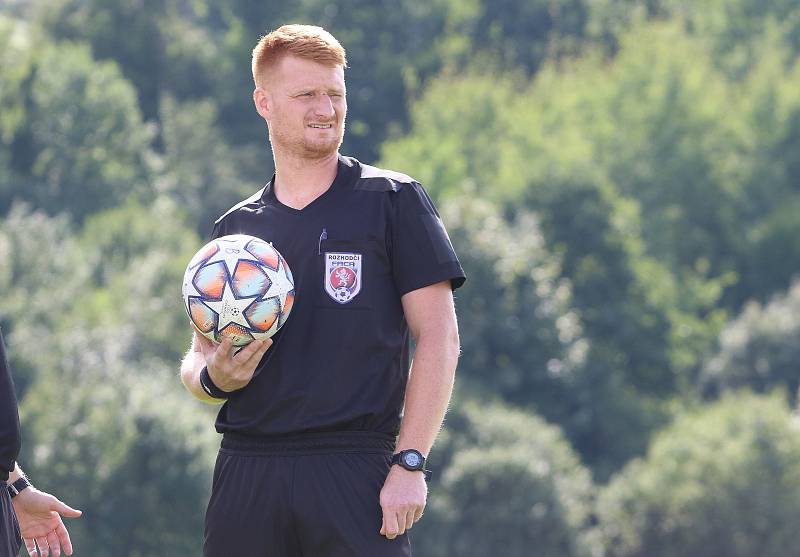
{"points": [[510, 485], [167, 46], [521, 339], [80, 145], [136, 256], [198, 170], [104, 413], [121, 440], [760, 349], [720, 482], [39, 280], [462, 136], [737, 28], [514, 35]]}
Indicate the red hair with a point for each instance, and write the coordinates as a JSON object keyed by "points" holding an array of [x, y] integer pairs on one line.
{"points": [[306, 41]]}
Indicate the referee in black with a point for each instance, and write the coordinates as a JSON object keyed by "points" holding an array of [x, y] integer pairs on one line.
{"points": [[326, 426], [25, 512]]}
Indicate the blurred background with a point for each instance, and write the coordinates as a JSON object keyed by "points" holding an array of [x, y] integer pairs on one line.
{"points": [[621, 179]]}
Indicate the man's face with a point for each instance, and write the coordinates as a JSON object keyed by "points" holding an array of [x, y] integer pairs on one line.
{"points": [[305, 107]]}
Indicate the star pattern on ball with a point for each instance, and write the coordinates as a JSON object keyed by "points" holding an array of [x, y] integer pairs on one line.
{"points": [[230, 256], [230, 308], [189, 292], [280, 285]]}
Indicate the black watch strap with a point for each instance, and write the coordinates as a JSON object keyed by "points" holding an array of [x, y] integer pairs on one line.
{"points": [[402, 459], [209, 387], [18, 485]]}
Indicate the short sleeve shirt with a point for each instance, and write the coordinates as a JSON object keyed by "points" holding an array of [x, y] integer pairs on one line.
{"points": [[10, 439], [341, 360]]}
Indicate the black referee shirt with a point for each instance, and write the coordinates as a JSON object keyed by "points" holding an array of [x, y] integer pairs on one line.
{"points": [[10, 439], [341, 360]]}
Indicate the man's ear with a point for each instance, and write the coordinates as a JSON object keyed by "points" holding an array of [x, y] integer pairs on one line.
{"points": [[261, 100]]}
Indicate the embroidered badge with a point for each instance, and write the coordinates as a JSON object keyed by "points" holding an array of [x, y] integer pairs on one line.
{"points": [[342, 276]]}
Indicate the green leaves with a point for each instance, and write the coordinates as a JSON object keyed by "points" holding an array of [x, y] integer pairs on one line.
{"points": [[510, 482], [758, 349], [82, 146], [721, 481]]}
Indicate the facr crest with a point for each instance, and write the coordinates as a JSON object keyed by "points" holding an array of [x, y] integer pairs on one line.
{"points": [[342, 275]]}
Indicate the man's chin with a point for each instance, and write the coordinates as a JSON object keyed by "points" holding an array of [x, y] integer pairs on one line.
{"points": [[319, 149], [304, 148]]}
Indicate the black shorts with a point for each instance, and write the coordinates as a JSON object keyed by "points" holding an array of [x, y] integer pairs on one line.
{"points": [[10, 540], [315, 495]]}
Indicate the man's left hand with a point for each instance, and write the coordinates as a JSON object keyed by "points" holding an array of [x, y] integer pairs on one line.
{"points": [[402, 500], [39, 515]]}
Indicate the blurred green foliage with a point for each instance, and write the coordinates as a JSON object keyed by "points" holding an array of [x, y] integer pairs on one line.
{"points": [[619, 177], [496, 458], [73, 126], [758, 350], [720, 482]]}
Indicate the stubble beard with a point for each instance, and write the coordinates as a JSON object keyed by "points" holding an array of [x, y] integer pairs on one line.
{"points": [[302, 148]]}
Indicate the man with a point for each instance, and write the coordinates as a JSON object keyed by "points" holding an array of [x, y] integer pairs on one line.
{"points": [[313, 416], [25, 512]]}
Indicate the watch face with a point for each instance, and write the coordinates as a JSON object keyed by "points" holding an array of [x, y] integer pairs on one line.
{"points": [[412, 459]]}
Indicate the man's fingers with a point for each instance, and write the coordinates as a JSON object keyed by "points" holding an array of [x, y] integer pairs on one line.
{"points": [[248, 352], [397, 523], [55, 546], [259, 353], [232, 367], [392, 528], [30, 546], [63, 537], [244, 353], [401, 522], [224, 349], [43, 547], [410, 519], [65, 510], [418, 513]]}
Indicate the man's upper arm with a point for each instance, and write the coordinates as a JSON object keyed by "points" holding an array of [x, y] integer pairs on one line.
{"points": [[430, 311]]}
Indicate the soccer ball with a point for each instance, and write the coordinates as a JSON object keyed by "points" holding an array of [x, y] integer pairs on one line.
{"points": [[240, 287]]}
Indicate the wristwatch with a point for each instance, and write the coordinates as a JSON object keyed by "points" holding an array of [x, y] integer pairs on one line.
{"points": [[18, 485], [411, 459]]}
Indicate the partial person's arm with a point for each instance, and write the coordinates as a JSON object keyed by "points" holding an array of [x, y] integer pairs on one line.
{"points": [[229, 370], [191, 366], [10, 439], [39, 516], [431, 317]]}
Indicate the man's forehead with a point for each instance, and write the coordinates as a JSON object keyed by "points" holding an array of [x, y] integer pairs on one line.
{"points": [[301, 71]]}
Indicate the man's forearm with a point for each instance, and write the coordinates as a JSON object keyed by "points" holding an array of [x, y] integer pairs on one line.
{"points": [[191, 366], [429, 389]]}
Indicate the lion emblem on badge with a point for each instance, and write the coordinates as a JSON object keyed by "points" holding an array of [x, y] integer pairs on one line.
{"points": [[342, 277]]}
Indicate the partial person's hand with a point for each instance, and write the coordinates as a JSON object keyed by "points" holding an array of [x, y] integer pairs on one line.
{"points": [[228, 369], [402, 500], [39, 515]]}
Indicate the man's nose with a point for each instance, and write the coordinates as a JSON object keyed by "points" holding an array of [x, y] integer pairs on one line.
{"points": [[324, 106]]}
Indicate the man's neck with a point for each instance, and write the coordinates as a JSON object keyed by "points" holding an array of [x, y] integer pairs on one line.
{"points": [[299, 181]]}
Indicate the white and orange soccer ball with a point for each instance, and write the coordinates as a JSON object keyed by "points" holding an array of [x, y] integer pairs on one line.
{"points": [[238, 286]]}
